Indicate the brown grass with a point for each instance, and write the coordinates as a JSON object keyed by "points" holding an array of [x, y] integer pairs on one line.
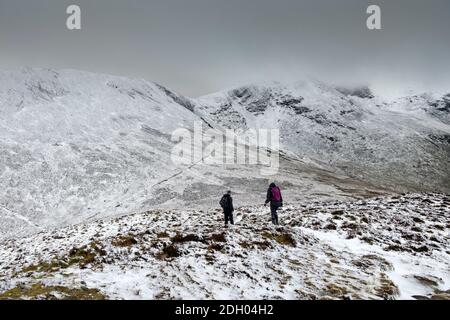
{"points": [[40, 291], [124, 241], [283, 238], [178, 238]]}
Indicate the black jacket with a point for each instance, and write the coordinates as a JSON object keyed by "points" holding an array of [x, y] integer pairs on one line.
{"points": [[227, 202], [269, 196]]}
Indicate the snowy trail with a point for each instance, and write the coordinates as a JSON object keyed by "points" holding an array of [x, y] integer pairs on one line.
{"points": [[18, 216]]}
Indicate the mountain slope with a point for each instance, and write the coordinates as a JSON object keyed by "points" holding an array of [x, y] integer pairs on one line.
{"points": [[401, 144], [379, 248], [76, 146]]}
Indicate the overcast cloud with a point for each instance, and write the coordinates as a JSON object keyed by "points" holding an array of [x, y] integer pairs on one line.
{"points": [[200, 46]]}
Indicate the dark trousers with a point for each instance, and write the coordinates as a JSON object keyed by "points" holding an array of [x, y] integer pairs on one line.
{"points": [[273, 210], [228, 216]]}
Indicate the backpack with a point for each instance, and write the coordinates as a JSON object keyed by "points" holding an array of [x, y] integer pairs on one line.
{"points": [[223, 202], [276, 194]]}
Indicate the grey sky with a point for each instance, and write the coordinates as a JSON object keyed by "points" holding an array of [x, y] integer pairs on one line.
{"points": [[201, 46]]}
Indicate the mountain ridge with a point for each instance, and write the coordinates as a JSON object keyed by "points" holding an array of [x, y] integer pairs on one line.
{"points": [[321, 117], [77, 145]]}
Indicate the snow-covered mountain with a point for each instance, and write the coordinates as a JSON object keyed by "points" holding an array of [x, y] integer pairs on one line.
{"points": [[75, 146], [402, 144], [85, 165]]}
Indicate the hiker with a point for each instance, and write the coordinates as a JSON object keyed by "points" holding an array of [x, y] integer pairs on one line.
{"points": [[276, 201], [227, 205]]}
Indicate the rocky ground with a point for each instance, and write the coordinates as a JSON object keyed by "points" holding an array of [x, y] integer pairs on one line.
{"points": [[381, 248]]}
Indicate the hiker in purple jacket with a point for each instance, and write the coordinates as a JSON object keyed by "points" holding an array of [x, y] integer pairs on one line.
{"points": [[276, 201]]}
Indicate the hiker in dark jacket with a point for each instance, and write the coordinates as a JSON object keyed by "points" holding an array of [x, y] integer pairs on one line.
{"points": [[276, 201], [227, 205]]}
